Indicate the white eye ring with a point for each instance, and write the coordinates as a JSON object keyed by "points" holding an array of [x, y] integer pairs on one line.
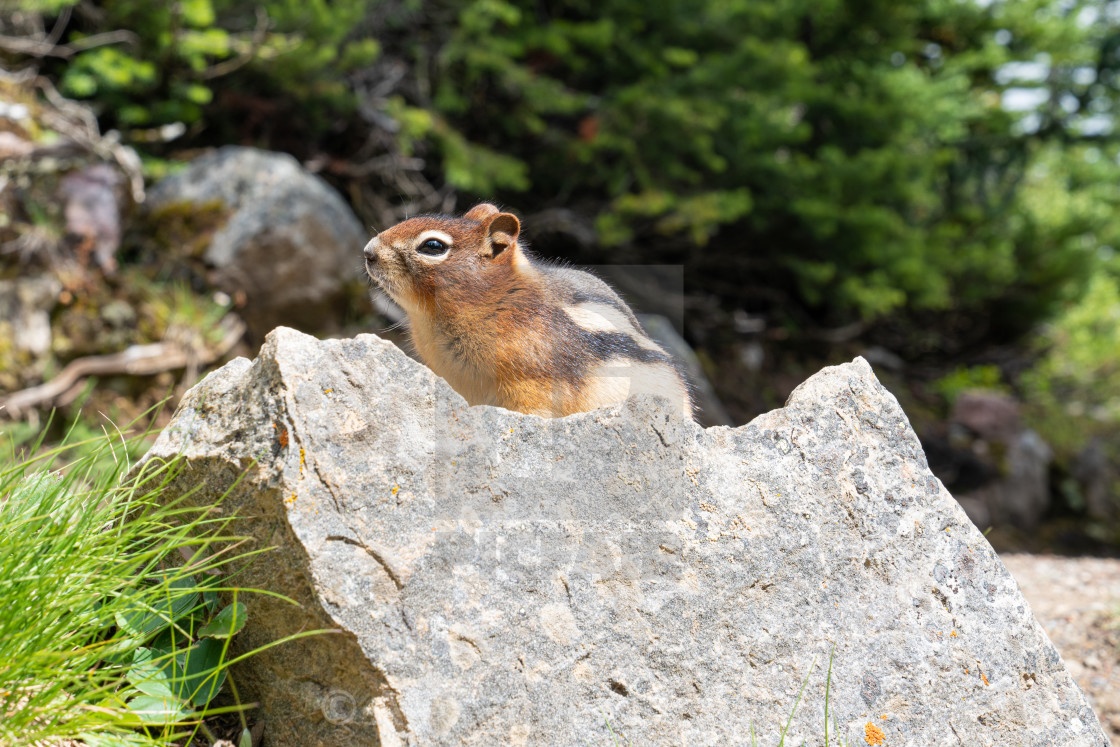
{"points": [[433, 245]]}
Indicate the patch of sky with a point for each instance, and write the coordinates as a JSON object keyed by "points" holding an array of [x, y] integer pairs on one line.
{"points": [[1029, 124], [1087, 16], [1096, 125], [1084, 76], [1024, 72], [1024, 99]]}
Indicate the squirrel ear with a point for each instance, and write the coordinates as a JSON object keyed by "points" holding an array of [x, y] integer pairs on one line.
{"points": [[502, 232], [481, 212]]}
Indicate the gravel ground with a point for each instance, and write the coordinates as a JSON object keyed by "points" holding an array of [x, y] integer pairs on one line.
{"points": [[1077, 601]]}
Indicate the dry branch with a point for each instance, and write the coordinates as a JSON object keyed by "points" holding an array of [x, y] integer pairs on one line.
{"points": [[136, 360], [46, 48]]}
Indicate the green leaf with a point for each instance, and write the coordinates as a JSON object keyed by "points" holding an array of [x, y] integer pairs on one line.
{"points": [[226, 623], [359, 54], [200, 678], [678, 57], [175, 602], [118, 651], [78, 84], [151, 673], [134, 115], [197, 13], [159, 711], [211, 42], [199, 93]]}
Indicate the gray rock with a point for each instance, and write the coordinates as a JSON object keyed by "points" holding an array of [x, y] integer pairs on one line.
{"points": [[290, 244], [498, 578], [990, 415], [1021, 494], [1095, 477], [998, 469], [25, 305]]}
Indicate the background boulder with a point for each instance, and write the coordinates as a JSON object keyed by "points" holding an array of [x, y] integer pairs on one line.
{"points": [[289, 247], [998, 468], [500, 578]]}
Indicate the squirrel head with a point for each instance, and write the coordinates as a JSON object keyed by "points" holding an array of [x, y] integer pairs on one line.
{"points": [[435, 261]]}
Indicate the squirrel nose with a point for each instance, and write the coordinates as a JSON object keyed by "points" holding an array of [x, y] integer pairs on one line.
{"points": [[370, 250]]}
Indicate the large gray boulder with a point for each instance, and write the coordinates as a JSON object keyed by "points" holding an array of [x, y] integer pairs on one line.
{"points": [[288, 245], [498, 578]]}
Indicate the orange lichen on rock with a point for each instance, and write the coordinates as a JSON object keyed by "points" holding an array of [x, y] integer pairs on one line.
{"points": [[874, 734]]}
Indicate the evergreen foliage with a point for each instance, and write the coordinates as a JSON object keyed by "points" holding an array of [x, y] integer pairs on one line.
{"points": [[859, 157], [923, 162]]}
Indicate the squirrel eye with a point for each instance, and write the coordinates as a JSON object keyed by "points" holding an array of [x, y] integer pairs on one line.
{"points": [[432, 247]]}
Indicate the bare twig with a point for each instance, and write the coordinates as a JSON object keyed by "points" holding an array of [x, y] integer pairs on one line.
{"points": [[60, 25], [45, 48], [80, 125], [120, 36], [228, 66], [136, 360], [837, 335], [564, 222], [384, 165]]}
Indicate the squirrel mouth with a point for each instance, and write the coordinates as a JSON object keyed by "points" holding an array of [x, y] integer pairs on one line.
{"points": [[377, 275], [373, 272]]}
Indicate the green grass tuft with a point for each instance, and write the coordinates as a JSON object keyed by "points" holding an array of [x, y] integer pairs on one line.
{"points": [[111, 630]]}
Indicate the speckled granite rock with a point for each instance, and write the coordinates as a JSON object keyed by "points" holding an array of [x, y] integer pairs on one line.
{"points": [[503, 579]]}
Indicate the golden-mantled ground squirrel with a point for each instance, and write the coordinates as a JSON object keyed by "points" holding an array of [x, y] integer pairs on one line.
{"points": [[506, 330]]}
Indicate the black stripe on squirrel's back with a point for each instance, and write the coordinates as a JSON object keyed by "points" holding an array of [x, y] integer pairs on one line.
{"points": [[608, 345], [508, 331]]}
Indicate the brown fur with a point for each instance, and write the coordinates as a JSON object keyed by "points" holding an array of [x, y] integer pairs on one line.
{"points": [[499, 328]]}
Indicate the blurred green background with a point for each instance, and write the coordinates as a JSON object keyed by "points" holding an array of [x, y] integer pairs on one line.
{"points": [[934, 183]]}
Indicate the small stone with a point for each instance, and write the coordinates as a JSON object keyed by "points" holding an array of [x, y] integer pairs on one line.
{"points": [[26, 303]]}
